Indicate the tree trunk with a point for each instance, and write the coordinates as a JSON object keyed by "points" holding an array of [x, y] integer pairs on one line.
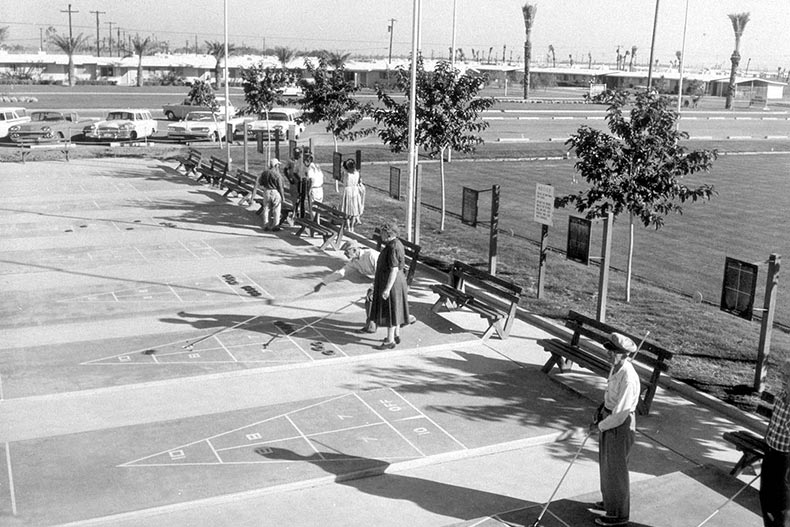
{"points": [[71, 70], [444, 201], [140, 71], [736, 60], [630, 258], [527, 57]]}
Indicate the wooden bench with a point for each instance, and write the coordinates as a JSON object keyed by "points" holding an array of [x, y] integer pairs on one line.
{"points": [[489, 296], [595, 358], [327, 221], [190, 161], [412, 251], [214, 172], [63, 146], [751, 446], [242, 183]]}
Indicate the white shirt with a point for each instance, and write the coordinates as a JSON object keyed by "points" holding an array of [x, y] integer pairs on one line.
{"points": [[621, 396], [364, 263]]}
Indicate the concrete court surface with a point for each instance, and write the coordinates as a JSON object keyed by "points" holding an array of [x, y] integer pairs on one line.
{"points": [[111, 268]]}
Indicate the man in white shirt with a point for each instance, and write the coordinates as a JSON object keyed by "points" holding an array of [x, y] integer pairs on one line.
{"points": [[363, 261], [616, 421]]}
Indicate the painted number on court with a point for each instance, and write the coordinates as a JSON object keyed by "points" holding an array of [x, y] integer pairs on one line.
{"points": [[392, 406]]}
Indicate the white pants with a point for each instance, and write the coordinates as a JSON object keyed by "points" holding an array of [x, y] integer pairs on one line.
{"points": [[272, 203]]}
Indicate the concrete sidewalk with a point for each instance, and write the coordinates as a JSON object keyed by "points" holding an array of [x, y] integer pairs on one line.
{"points": [[108, 419]]}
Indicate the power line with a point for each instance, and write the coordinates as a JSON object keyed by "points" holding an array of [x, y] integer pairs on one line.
{"points": [[98, 38], [69, 11]]}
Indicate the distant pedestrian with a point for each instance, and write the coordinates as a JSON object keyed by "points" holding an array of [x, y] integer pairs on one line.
{"points": [[775, 488], [271, 185], [390, 304], [351, 201], [295, 171], [313, 182], [615, 419]]}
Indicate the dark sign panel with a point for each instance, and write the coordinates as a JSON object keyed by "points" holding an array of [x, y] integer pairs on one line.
{"points": [[469, 206], [395, 183], [578, 248], [337, 166], [738, 289], [291, 147]]}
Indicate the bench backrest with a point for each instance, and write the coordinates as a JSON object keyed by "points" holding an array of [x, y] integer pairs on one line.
{"points": [[245, 180], [649, 354], [765, 405], [219, 165], [410, 249], [463, 274], [323, 213]]}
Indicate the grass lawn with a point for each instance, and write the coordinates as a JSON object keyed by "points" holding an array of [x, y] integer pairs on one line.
{"points": [[715, 351]]}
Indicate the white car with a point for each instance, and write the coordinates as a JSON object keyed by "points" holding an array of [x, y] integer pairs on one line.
{"points": [[175, 112], [280, 122], [122, 124], [10, 117], [198, 126]]}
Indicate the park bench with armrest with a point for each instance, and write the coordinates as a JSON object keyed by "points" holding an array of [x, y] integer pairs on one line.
{"points": [[751, 446], [327, 221], [190, 161], [595, 357], [487, 295], [242, 183], [214, 172]]}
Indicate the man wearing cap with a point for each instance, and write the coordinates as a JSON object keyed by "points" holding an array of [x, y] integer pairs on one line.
{"points": [[615, 420], [295, 171], [363, 261], [271, 185]]}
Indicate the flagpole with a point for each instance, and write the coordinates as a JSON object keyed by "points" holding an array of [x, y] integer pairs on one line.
{"points": [[228, 135]]}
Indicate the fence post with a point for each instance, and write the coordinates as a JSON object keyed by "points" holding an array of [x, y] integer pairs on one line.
{"points": [[766, 326]]}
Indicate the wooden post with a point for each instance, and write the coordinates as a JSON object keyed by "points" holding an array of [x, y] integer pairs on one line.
{"points": [[494, 235], [766, 327], [603, 276], [246, 161], [543, 257]]}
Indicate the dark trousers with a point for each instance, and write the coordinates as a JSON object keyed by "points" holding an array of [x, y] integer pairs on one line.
{"points": [[775, 489], [615, 447]]}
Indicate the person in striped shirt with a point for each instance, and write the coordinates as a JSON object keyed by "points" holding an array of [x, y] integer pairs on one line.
{"points": [[775, 487]]}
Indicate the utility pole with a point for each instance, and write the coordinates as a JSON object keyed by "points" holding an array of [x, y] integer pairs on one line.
{"points": [[109, 42], [41, 38], [69, 11], [98, 38], [196, 48], [391, 30], [119, 40], [652, 48]]}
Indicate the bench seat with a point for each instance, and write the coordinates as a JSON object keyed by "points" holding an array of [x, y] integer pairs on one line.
{"points": [[330, 223]]}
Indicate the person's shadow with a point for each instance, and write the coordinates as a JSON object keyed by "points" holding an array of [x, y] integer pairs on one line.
{"points": [[440, 498]]}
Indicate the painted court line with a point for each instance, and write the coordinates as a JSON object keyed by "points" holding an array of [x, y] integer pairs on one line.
{"points": [[11, 489], [390, 424], [434, 423], [304, 437]]}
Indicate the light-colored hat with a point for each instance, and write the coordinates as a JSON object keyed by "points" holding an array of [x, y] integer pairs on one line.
{"points": [[350, 244], [620, 344], [273, 162]]}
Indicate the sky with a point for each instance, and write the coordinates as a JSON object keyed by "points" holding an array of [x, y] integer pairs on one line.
{"points": [[359, 27]]}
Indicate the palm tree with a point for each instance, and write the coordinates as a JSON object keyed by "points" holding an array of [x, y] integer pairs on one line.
{"points": [[3, 34], [633, 59], [529, 11], [216, 49], [739, 21], [69, 45], [141, 47], [336, 59], [553, 56], [284, 55]]}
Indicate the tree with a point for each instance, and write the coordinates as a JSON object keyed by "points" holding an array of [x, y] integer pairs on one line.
{"points": [[638, 167], [739, 21], [529, 11], [3, 34], [141, 47], [633, 58], [334, 59], [448, 114], [263, 89], [216, 49], [330, 98], [201, 94], [553, 56], [284, 55], [69, 45]]}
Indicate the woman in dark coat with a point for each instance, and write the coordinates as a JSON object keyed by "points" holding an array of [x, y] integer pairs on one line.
{"points": [[390, 306]]}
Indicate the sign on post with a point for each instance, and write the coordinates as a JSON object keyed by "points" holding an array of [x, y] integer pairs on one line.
{"points": [[578, 248], [395, 183], [544, 204], [738, 288], [469, 206], [544, 214], [337, 165]]}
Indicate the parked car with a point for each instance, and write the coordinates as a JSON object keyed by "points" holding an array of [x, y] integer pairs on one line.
{"points": [[198, 125], [122, 124], [176, 112], [10, 117], [280, 122], [46, 126]]}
